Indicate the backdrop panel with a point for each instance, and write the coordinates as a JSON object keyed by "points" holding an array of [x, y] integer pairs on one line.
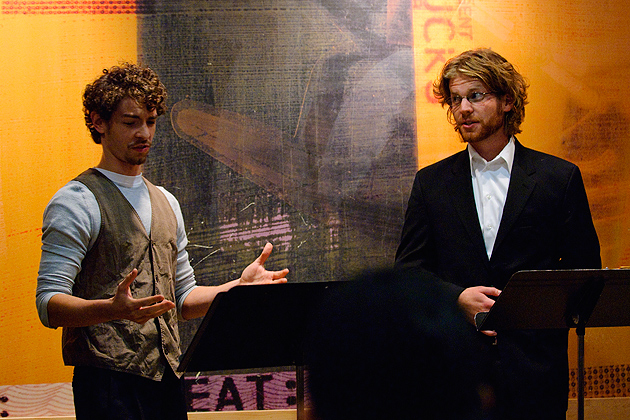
{"points": [[292, 122]]}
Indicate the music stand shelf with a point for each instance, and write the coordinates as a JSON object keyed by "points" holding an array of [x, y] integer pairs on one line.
{"points": [[256, 327], [544, 299]]}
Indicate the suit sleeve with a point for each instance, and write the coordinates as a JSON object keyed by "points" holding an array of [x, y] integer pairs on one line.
{"points": [[579, 244], [417, 249]]}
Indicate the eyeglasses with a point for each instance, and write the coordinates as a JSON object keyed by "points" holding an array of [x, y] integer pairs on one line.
{"points": [[473, 98]]}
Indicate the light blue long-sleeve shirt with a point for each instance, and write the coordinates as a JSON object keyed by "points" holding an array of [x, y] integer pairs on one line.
{"points": [[72, 221]]}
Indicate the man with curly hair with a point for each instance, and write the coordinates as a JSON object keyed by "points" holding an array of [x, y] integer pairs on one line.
{"points": [[495, 208], [114, 271]]}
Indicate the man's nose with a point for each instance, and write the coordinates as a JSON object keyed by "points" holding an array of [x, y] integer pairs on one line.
{"points": [[144, 131], [465, 106]]}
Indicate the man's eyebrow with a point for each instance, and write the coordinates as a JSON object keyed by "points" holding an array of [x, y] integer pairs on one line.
{"points": [[132, 115], [470, 90]]}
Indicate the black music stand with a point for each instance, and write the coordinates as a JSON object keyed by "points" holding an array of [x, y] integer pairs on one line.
{"points": [[548, 299], [257, 326]]}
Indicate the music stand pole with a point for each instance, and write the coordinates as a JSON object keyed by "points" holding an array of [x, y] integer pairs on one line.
{"points": [[581, 309], [299, 391], [580, 331], [552, 299]]}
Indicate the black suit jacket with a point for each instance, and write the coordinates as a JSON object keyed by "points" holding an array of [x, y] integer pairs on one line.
{"points": [[546, 224]]}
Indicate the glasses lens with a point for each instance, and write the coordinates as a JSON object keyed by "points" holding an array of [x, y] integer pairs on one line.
{"points": [[475, 97]]}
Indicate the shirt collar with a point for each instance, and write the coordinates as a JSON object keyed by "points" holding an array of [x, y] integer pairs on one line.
{"points": [[122, 180], [505, 157]]}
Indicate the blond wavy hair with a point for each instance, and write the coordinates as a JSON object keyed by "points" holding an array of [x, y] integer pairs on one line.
{"points": [[496, 73]]}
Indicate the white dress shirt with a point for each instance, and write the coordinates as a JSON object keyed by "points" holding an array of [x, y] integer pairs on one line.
{"points": [[490, 182]]}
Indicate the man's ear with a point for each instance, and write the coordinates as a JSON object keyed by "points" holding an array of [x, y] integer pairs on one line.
{"points": [[508, 103], [98, 122]]}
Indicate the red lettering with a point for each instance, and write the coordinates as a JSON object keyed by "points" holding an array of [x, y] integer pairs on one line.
{"points": [[419, 4], [438, 21], [428, 93], [439, 58]]}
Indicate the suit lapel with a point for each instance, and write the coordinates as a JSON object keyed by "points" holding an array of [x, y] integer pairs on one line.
{"points": [[521, 186], [461, 194]]}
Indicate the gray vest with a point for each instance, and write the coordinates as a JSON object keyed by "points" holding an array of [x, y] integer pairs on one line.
{"points": [[121, 246]]}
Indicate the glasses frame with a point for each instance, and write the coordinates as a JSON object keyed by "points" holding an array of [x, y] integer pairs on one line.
{"points": [[456, 101]]}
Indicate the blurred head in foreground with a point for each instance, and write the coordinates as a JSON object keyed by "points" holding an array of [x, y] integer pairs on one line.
{"points": [[394, 345]]}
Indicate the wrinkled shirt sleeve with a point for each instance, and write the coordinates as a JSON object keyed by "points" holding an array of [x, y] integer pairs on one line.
{"points": [[70, 227]]}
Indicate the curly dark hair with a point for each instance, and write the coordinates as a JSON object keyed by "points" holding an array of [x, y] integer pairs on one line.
{"points": [[127, 80], [494, 71]]}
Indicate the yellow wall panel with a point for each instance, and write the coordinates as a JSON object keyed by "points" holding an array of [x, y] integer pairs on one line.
{"points": [[47, 61]]}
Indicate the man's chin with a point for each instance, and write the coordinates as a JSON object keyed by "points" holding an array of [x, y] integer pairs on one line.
{"points": [[467, 137], [137, 161]]}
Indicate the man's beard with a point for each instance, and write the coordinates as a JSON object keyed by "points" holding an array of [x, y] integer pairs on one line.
{"points": [[496, 125], [133, 158], [137, 161], [477, 137]]}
